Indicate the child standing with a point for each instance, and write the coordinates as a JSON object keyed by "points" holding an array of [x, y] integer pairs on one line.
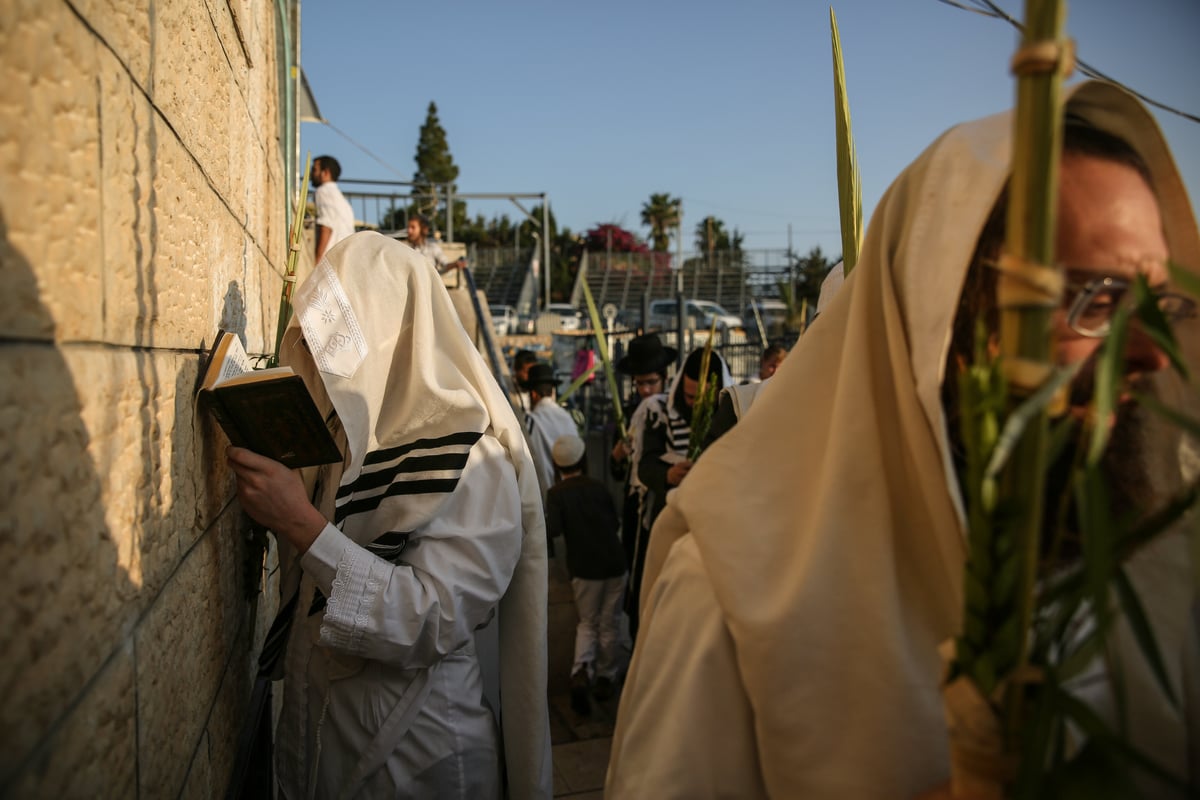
{"points": [[581, 510]]}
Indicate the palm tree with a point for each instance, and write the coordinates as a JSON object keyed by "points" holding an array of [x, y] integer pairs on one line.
{"points": [[711, 235], [662, 213]]}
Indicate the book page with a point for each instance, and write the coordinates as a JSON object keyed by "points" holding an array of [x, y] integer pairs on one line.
{"points": [[254, 376], [227, 359], [235, 360]]}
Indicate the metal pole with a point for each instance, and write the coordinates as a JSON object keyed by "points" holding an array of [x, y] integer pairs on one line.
{"points": [[679, 313], [449, 212], [546, 246]]}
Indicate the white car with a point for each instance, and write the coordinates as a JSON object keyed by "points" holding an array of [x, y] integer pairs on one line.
{"points": [[504, 320], [700, 315], [568, 317]]}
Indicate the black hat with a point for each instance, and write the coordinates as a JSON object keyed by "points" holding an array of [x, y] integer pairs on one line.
{"points": [[646, 354], [540, 375]]}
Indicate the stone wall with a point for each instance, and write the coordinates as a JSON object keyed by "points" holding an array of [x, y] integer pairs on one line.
{"points": [[142, 206]]}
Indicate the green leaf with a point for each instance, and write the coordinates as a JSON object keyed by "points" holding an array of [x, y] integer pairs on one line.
{"points": [[1155, 325], [1025, 413], [1109, 375], [1091, 775], [1135, 614], [1083, 654], [1005, 585], [1091, 724], [606, 363], [849, 187]]}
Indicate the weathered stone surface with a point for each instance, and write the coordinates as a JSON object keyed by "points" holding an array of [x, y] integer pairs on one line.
{"points": [[120, 224], [193, 92], [131, 218], [124, 25], [198, 785], [225, 723], [92, 751], [138, 410], [49, 175], [71, 594], [181, 656]]}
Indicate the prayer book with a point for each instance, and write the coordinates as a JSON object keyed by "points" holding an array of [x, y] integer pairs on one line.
{"points": [[269, 411]]}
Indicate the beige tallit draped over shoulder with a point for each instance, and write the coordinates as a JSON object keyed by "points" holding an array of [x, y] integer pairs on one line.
{"points": [[799, 582]]}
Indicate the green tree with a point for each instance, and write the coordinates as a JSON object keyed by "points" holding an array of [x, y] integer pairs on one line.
{"points": [[807, 273], [662, 214], [711, 235], [435, 166]]}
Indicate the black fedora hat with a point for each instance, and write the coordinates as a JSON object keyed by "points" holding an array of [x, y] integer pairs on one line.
{"points": [[646, 354], [540, 375]]}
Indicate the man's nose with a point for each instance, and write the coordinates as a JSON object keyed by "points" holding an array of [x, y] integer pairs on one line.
{"points": [[1142, 354]]}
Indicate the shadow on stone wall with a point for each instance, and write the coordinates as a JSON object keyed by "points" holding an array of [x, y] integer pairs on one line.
{"points": [[68, 671]]}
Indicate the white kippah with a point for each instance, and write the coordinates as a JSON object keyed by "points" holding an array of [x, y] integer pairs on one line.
{"points": [[567, 451]]}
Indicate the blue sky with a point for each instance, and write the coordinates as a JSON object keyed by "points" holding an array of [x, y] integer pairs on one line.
{"points": [[728, 106]]}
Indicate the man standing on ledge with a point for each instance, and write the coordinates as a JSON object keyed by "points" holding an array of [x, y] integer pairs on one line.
{"points": [[335, 217]]}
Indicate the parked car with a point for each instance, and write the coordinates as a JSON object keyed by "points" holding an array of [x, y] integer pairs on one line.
{"points": [[700, 314], [505, 321], [569, 319], [773, 313]]}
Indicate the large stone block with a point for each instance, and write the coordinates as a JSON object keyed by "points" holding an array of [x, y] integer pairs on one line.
{"points": [[198, 785], [124, 25], [50, 238], [69, 574], [175, 283], [181, 656], [192, 84], [128, 126], [92, 752], [229, 713], [176, 251], [138, 408]]}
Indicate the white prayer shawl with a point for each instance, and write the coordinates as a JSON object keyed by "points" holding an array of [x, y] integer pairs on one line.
{"points": [[659, 409], [437, 527], [799, 582], [546, 422]]}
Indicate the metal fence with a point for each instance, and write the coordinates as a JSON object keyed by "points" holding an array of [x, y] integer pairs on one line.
{"points": [[732, 279]]}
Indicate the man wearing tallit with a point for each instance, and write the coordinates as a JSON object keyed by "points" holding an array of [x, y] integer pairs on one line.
{"points": [[799, 583], [660, 453], [430, 530]]}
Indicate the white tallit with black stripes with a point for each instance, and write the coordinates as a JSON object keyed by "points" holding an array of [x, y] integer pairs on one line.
{"points": [[436, 528]]}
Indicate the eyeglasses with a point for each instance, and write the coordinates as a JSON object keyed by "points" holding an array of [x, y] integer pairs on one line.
{"points": [[647, 382], [1090, 313]]}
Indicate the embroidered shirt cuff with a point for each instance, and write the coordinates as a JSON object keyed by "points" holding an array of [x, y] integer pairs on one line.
{"points": [[323, 556]]}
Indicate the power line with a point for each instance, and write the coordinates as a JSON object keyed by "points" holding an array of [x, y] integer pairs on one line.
{"points": [[989, 9], [346, 136]]}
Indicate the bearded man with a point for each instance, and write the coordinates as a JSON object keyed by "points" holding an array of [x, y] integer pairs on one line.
{"points": [[799, 583]]}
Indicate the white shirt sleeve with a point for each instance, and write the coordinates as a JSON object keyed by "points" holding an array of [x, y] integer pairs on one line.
{"points": [[447, 582]]}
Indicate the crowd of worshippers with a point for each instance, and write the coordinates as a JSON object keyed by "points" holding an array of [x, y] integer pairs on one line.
{"points": [[788, 591]]}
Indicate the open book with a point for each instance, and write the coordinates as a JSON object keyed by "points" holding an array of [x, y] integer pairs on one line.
{"points": [[268, 411]]}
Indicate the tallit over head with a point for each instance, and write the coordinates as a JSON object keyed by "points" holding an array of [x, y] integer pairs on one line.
{"points": [[403, 376], [840, 591]]}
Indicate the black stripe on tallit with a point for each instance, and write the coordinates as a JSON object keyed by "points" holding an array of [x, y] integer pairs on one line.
{"points": [[679, 431], [439, 462], [379, 456], [428, 486]]}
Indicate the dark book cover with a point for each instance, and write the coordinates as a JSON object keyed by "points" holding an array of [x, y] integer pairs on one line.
{"points": [[276, 418]]}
